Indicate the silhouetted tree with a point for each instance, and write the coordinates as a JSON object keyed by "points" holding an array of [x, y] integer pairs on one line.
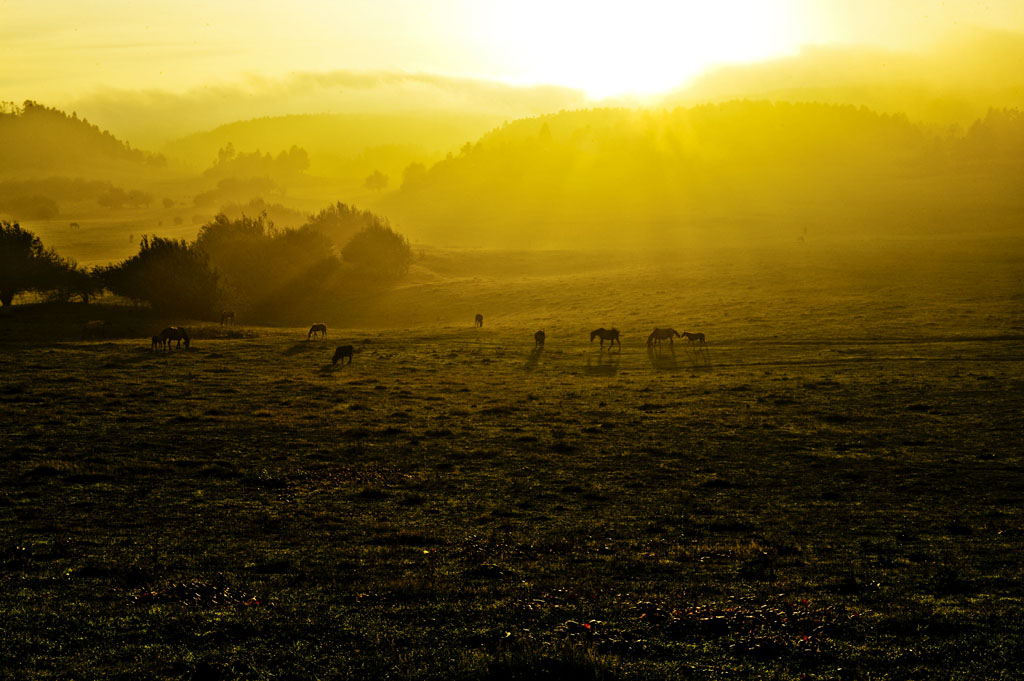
{"points": [[68, 279], [116, 197], [376, 181], [380, 251], [24, 263], [257, 260], [171, 275], [413, 174], [288, 163], [32, 207], [341, 222]]}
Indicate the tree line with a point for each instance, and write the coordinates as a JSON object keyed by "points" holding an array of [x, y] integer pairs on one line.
{"points": [[246, 264]]}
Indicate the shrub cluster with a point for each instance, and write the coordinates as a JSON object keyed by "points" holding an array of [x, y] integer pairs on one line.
{"points": [[245, 264], [26, 265]]}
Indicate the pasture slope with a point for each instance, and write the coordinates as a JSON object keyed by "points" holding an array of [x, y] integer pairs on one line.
{"points": [[832, 491]]}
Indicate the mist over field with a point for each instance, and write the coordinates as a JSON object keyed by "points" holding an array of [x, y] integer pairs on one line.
{"points": [[494, 342]]}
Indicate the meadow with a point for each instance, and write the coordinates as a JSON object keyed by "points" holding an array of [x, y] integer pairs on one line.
{"points": [[831, 490]]}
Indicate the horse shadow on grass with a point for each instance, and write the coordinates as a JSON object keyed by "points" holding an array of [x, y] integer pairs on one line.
{"points": [[662, 359], [301, 347], [145, 354], [533, 358], [607, 364], [699, 357]]}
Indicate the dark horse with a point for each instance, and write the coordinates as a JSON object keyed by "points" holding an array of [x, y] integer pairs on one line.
{"points": [[694, 338], [341, 353], [538, 339], [175, 333], [659, 335], [159, 342], [479, 321], [610, 335], [317, 328], [227, 316]]}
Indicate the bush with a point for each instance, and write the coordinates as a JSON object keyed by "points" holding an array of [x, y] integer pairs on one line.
{"points": [[116, 198], [264, 267], [379, 251], [31, 207], [172, 276], [69, 280], [341, 222], [24, 263]]}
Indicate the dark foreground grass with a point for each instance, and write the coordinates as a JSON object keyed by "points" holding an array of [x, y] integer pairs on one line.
{"points": [[454, 505]]}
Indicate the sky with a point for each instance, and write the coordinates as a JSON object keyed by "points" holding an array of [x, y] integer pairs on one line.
{"points": [[57, 50]]}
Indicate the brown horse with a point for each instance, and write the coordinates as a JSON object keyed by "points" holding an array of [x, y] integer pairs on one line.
{"points": [[659, 335], [341, 353], [317, 328], [694, 338], [479, 321], [227, 316], [175, 333], [158, 342], [610, 335], [538, 339]]}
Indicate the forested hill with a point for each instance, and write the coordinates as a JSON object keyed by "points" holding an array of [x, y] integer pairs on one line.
{"points": [[342, 146], [40, 140], [737, 168]]}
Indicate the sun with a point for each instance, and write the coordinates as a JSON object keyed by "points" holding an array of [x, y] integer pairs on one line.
{"points": [[639, 47]]}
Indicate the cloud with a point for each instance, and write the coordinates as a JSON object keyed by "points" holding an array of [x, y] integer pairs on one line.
{"points": [[150, 117]]}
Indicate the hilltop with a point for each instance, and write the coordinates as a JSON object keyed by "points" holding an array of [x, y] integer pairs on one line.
{"points": [[37, 139], [737, 170]]}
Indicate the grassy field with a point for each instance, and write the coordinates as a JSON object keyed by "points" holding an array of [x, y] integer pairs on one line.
{"points": [[832, 490]]}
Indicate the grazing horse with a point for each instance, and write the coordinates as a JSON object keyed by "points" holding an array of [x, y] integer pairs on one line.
{"points": [[317, 329], [341, 353], [694, 338], [538, 339], [159, 342], [172, 333], [659, 335], [479, 321], [610, 335], [227, 316]]}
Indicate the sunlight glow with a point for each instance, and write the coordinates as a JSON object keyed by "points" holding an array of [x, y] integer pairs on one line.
{"points": [[647, 46], [56, 50]]}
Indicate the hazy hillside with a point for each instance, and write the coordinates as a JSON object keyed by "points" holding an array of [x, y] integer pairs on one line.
{"points": [[345, 145], [60, 167], [955, 82], [40, 140], [154, 117], [707, 173], [644, 178]]}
